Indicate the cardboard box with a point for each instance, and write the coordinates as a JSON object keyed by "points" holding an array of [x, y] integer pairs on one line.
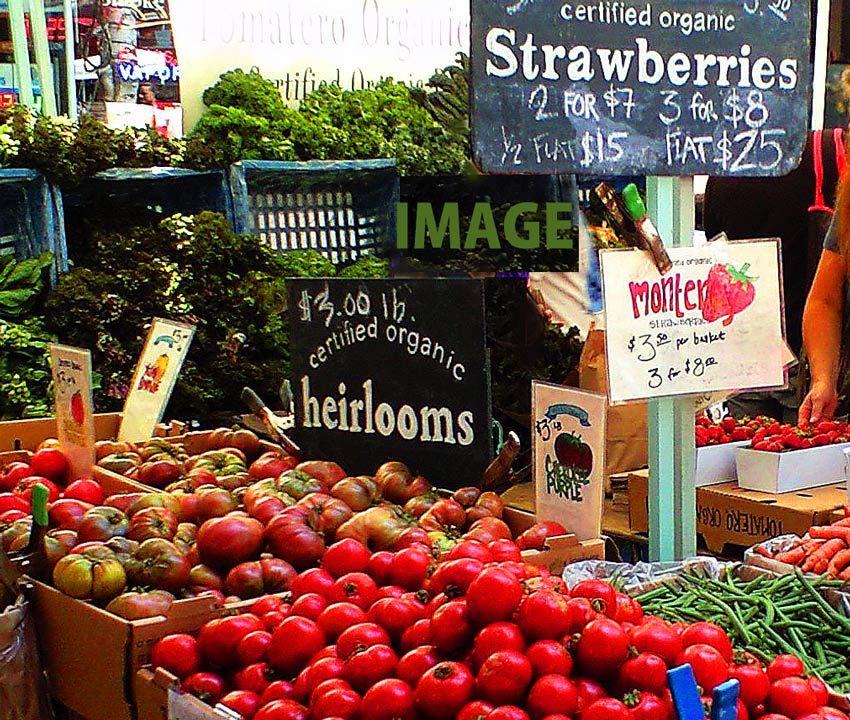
{"points": [[716, 463], [783, 472], [560, 550], [27, 434], [91, 656], [728, 514]]}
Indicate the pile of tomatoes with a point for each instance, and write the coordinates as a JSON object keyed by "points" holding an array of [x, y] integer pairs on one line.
{"points": [[392, 636]]}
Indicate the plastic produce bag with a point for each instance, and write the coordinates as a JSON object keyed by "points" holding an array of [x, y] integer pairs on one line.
{"points": [[23, 695], [640, 577]]}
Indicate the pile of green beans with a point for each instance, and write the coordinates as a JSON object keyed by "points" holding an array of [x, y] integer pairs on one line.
{"points": [[767, 616]]}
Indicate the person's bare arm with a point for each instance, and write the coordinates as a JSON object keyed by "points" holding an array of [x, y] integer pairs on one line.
{"points": [[822, 337]]}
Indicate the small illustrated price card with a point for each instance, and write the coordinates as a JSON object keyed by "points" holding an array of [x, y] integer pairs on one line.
{"points": [[156, 372], [568, 445], [72, 389], [712, 323]]}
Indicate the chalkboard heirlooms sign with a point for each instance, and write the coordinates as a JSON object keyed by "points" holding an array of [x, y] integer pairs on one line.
{"points": [[640, 87], [392, 370]]}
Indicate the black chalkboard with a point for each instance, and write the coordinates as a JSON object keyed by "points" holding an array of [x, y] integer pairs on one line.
{"points": [[619, 87], [392, 370]]}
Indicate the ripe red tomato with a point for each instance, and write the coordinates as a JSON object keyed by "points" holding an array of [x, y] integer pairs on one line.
{"points": [[602, 648], [15, 472], [338, 703], [363, 668], [474, 710], [337, 617], [504, 550], [659, 638], [705, 633], [754, 683], [255, 677], [645, 671], [252, 648], [628, 609], [493, 595], [417, 634], [710, 669], [265, 604], [312, 580], [783, 666], [309, 605], [356, 587], [607, 709], [599, 592], [648, 706], [282, 710], [49, 462], [178, 653], [471, 548], [24, 488], [498, 636], [791, 696], [408, 568], [326, 668], [244, 702], [360, 636], [454, 574], [504, 677], [551, 694], [820, 689], [293, 643], [443, 690], [85, 489], [229, 540], [346, 556], [395, 615], [379, 566], [544, 615], [413, 664], [451, 628], [589, 691], [389, 699], [219, 638], [507, 712], [207, 686], [276, 690], [549, 657]]}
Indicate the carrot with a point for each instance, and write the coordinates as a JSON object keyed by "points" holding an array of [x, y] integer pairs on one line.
{"points": [[844, 522], [792, 557], [824, 552], [844, 574], [828, 532], [839, 561]]}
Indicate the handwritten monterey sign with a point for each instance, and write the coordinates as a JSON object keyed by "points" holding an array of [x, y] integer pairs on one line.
{"points": [[712, 323], [619, 87], [568, 444], [300, 46], [380, 373]]}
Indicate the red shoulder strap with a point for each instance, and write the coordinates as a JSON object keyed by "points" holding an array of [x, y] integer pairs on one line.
{"points": [[840, 154], [817, 152]]}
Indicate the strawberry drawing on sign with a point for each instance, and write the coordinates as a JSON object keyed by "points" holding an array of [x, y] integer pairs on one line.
{"points": [[728, 291]]}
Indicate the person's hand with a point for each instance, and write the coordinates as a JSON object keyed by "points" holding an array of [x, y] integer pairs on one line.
{"points": [[819, 403]]}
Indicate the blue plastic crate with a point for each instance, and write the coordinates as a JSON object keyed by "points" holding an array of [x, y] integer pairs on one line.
{"points": [[160, 190], [31, 218], [340, 208]]}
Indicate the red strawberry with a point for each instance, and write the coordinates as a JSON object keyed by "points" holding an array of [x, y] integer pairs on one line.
{"points": [[728, 291]]}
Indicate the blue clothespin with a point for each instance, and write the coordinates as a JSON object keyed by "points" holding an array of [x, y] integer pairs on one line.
{"points": [[724, 702], [683, 687], [687, 701]]}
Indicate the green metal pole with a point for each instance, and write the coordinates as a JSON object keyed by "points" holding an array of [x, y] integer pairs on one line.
{"points": [[38, 28], [21, 53], [672, 494]]}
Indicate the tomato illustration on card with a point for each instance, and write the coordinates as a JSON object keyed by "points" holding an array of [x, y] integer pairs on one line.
{"points": [[728, 291], [78, 408]]}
